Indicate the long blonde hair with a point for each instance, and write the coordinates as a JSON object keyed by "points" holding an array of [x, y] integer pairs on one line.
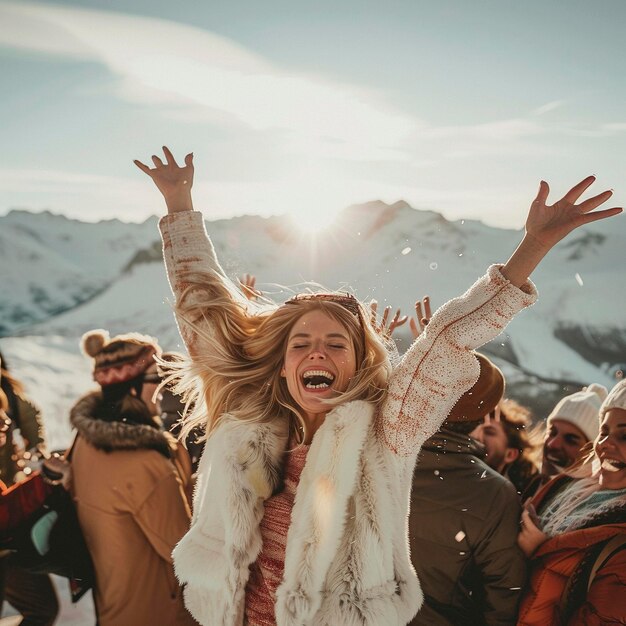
{"points": [[239, 373]]}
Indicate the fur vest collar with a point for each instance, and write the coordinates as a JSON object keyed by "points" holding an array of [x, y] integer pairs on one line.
{"points": [[110, 436], [240, 468]]}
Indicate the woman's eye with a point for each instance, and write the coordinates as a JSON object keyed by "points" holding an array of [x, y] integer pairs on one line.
{"points": [[337, 346]]}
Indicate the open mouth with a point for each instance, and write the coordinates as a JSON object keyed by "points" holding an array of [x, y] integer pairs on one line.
{"points": [[612, 465], [318, 379], [557, 461]]}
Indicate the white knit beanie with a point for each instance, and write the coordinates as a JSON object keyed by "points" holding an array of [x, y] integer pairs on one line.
{"points": [[582, 409], [615, 400]]}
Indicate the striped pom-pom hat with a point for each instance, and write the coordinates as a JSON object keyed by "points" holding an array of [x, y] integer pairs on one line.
{"points": [[121, 358]]}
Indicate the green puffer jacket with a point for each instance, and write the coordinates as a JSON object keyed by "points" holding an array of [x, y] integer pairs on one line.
{"points": [[463, 530], [30, 424]]}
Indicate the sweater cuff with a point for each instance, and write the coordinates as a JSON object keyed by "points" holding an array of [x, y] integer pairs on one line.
{"points": [[182, 222], [521, 297]]}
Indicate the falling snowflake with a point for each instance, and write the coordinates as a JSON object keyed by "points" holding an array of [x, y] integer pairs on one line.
{"points": [[579, 279], [406, 250], [459, 536]]}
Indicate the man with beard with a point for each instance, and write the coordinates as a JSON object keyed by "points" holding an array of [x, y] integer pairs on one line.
{"points": [[573, 423]]}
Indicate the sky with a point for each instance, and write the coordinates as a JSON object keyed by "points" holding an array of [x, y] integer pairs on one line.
{"points": [[304, 108]]}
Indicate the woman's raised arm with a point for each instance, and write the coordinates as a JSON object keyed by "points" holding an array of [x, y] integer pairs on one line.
{"points": [[440, 366], [204, 294]]}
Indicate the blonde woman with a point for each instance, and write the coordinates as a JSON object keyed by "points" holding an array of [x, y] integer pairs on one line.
{"points": [[300, 511]]}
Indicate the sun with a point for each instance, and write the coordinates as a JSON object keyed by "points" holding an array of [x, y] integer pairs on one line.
{"points": [[309, 223], [312, 221]]}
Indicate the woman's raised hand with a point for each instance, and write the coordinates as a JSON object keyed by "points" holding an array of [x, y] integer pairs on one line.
{"points": [[173, 181], [547, 224]]}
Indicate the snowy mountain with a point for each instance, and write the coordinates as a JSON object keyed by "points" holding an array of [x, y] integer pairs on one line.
{"points": [[62, 277]]}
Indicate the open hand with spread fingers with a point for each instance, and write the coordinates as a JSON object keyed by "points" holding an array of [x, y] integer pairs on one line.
{"points": [[422, 317], [547, 224], [172, 180], [385, 327]]}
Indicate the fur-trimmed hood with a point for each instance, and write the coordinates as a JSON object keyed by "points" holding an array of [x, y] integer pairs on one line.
{"points": [[110, 436]]}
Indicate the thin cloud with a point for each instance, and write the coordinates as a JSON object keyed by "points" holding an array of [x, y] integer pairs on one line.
{"points": [[158, 62], [549, 106], [501, 130]]}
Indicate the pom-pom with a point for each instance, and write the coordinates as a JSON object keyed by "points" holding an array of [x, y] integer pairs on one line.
{"points": [[600, 390], [93, 341]]}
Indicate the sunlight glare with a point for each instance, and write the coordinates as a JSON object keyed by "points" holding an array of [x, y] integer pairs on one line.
{"points": [[312, 221]]}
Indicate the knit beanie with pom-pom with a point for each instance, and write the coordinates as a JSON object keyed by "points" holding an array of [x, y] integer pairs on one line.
{"points": [[121, 358], [581, 409], [615, 400]]}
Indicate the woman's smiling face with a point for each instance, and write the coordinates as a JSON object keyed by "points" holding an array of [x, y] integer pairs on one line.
{"points": [[610, 448], [320, 361]]}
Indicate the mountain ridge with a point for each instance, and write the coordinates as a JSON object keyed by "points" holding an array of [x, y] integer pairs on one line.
{"points": [[63, 277]]}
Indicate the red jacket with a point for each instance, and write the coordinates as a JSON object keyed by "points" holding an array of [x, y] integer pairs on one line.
{"points": [[560, 557], [21, 500]]}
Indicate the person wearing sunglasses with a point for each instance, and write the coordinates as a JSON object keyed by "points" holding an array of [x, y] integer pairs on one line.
{"points": [[301, 505]]}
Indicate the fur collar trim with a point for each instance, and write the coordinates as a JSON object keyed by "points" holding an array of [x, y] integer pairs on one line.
{"points": [[241, 466], [110, 436]]}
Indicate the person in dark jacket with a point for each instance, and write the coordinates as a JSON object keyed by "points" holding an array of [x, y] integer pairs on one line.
{"points": [[464, 521]]}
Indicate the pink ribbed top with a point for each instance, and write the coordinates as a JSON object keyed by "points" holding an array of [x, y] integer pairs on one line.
{"points": [[266, 573]]}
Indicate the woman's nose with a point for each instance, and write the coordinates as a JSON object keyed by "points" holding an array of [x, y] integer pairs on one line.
{"points": [[553, 443], [317, 353]]}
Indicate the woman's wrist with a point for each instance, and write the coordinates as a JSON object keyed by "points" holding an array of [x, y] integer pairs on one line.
{"points": [[179, 203], [524, 260]]}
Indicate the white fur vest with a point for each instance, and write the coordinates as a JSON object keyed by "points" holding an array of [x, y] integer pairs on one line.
{"points": [[346, 559]]}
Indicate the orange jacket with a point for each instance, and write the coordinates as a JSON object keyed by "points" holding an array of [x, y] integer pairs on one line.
{"points": [[557, 559]]}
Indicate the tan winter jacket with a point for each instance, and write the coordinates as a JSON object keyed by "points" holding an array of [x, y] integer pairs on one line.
{"points": [[347, 560], [133, 510]]}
